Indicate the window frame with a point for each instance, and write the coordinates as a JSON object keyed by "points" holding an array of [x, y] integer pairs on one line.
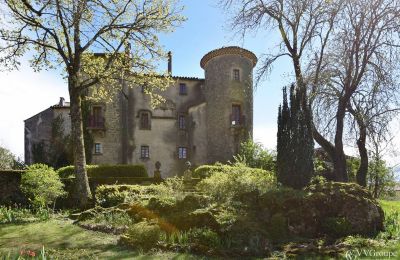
{"points": [[182, 153], [100, 150], [144, 152], [142, 115], [182, 122], [183, 91], [236, 118], [236, 74]]}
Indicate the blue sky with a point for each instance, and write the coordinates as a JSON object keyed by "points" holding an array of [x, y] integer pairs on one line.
{"points": [[24, 93]]}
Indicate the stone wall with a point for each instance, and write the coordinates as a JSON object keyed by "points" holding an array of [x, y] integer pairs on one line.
{"points": [[221, 92], [37, 129]]}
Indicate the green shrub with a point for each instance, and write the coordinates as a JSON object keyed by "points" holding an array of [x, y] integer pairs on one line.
{"points": [[255, 155], [227, 182], [101, 171], [42, 185], [278, 227], [142, 235], [112, 195], [199, 236]]}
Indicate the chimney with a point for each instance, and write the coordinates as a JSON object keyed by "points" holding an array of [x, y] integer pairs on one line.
{"points": [[62, 102], [170, 63]]}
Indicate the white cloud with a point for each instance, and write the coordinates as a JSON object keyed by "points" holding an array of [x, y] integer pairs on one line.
{"points": [[265, 134]]}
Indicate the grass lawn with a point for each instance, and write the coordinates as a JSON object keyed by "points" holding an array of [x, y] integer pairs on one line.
{"points": [[64, 240], [390, 205]]}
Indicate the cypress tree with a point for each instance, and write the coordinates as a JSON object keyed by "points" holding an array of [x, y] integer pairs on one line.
{"points": [[295, 145]]}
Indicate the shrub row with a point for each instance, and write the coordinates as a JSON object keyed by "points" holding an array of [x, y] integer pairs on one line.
{"points": [[101, 171], [112, 195], [205, 171], [12, 171]]}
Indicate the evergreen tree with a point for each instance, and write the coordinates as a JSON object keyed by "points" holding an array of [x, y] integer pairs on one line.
{"points": [[295, 146]]}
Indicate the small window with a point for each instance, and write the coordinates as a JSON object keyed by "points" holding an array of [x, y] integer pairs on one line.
{"points": [[98, 148], [236, 115], [145, 121], [96, 119], [182, 122], [182, 89], [182, 152], [144, 152], [236, 75]]}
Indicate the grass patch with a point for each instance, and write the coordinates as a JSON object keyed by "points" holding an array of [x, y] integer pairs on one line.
{"points": [[63, 240], [390, 205]]}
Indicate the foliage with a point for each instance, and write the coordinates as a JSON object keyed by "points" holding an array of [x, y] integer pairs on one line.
{"points": [[17, 215], [112, 195], [295, 145], [254, 155], [381, 179], [101, 171], [143, 235], [42, 185], [6, 159], [352, 164], [225, 184], [336, 226], [198, 236]]}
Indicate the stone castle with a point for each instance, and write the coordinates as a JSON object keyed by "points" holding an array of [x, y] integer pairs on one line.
{"points": [[202, 121]]}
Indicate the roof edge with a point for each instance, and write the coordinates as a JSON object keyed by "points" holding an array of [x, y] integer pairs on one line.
{"points": [[229, 50]]}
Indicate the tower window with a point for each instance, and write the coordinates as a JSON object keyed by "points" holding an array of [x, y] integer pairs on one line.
{"points": [[182, 152], [182, 122], [236, 117], [144, 152], [236, 75], [182, 89], [98, 149], [145, 121]]}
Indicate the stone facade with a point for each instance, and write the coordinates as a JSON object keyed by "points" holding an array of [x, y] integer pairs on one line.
{"points": [[202, 120]]}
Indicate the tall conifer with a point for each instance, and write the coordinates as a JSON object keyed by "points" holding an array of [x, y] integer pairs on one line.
{"points": [[295, 144]]}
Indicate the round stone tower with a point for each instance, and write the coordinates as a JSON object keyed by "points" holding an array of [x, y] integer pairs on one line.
{"points": [[229, 95]]}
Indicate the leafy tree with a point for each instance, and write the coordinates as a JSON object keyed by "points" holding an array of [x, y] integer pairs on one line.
{"points": [[71, 33], [295, 145], [42, 185], [6, 159], [254, 155], [337, 48]]}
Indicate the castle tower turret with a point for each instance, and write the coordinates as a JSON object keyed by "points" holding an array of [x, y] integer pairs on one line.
{"points": [[229, 96]]}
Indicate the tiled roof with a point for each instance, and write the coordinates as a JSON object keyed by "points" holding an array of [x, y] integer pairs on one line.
{"points": [[230, 50], [186, 78]]}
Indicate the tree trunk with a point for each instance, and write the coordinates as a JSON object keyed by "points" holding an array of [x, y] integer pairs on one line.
{"points": [[82, 183], [363, 169], [339, 160]]}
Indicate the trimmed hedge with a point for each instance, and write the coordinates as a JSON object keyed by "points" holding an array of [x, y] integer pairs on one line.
{"points": [[103, 171], [112, 195], [12, 172], [205, 171]]}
